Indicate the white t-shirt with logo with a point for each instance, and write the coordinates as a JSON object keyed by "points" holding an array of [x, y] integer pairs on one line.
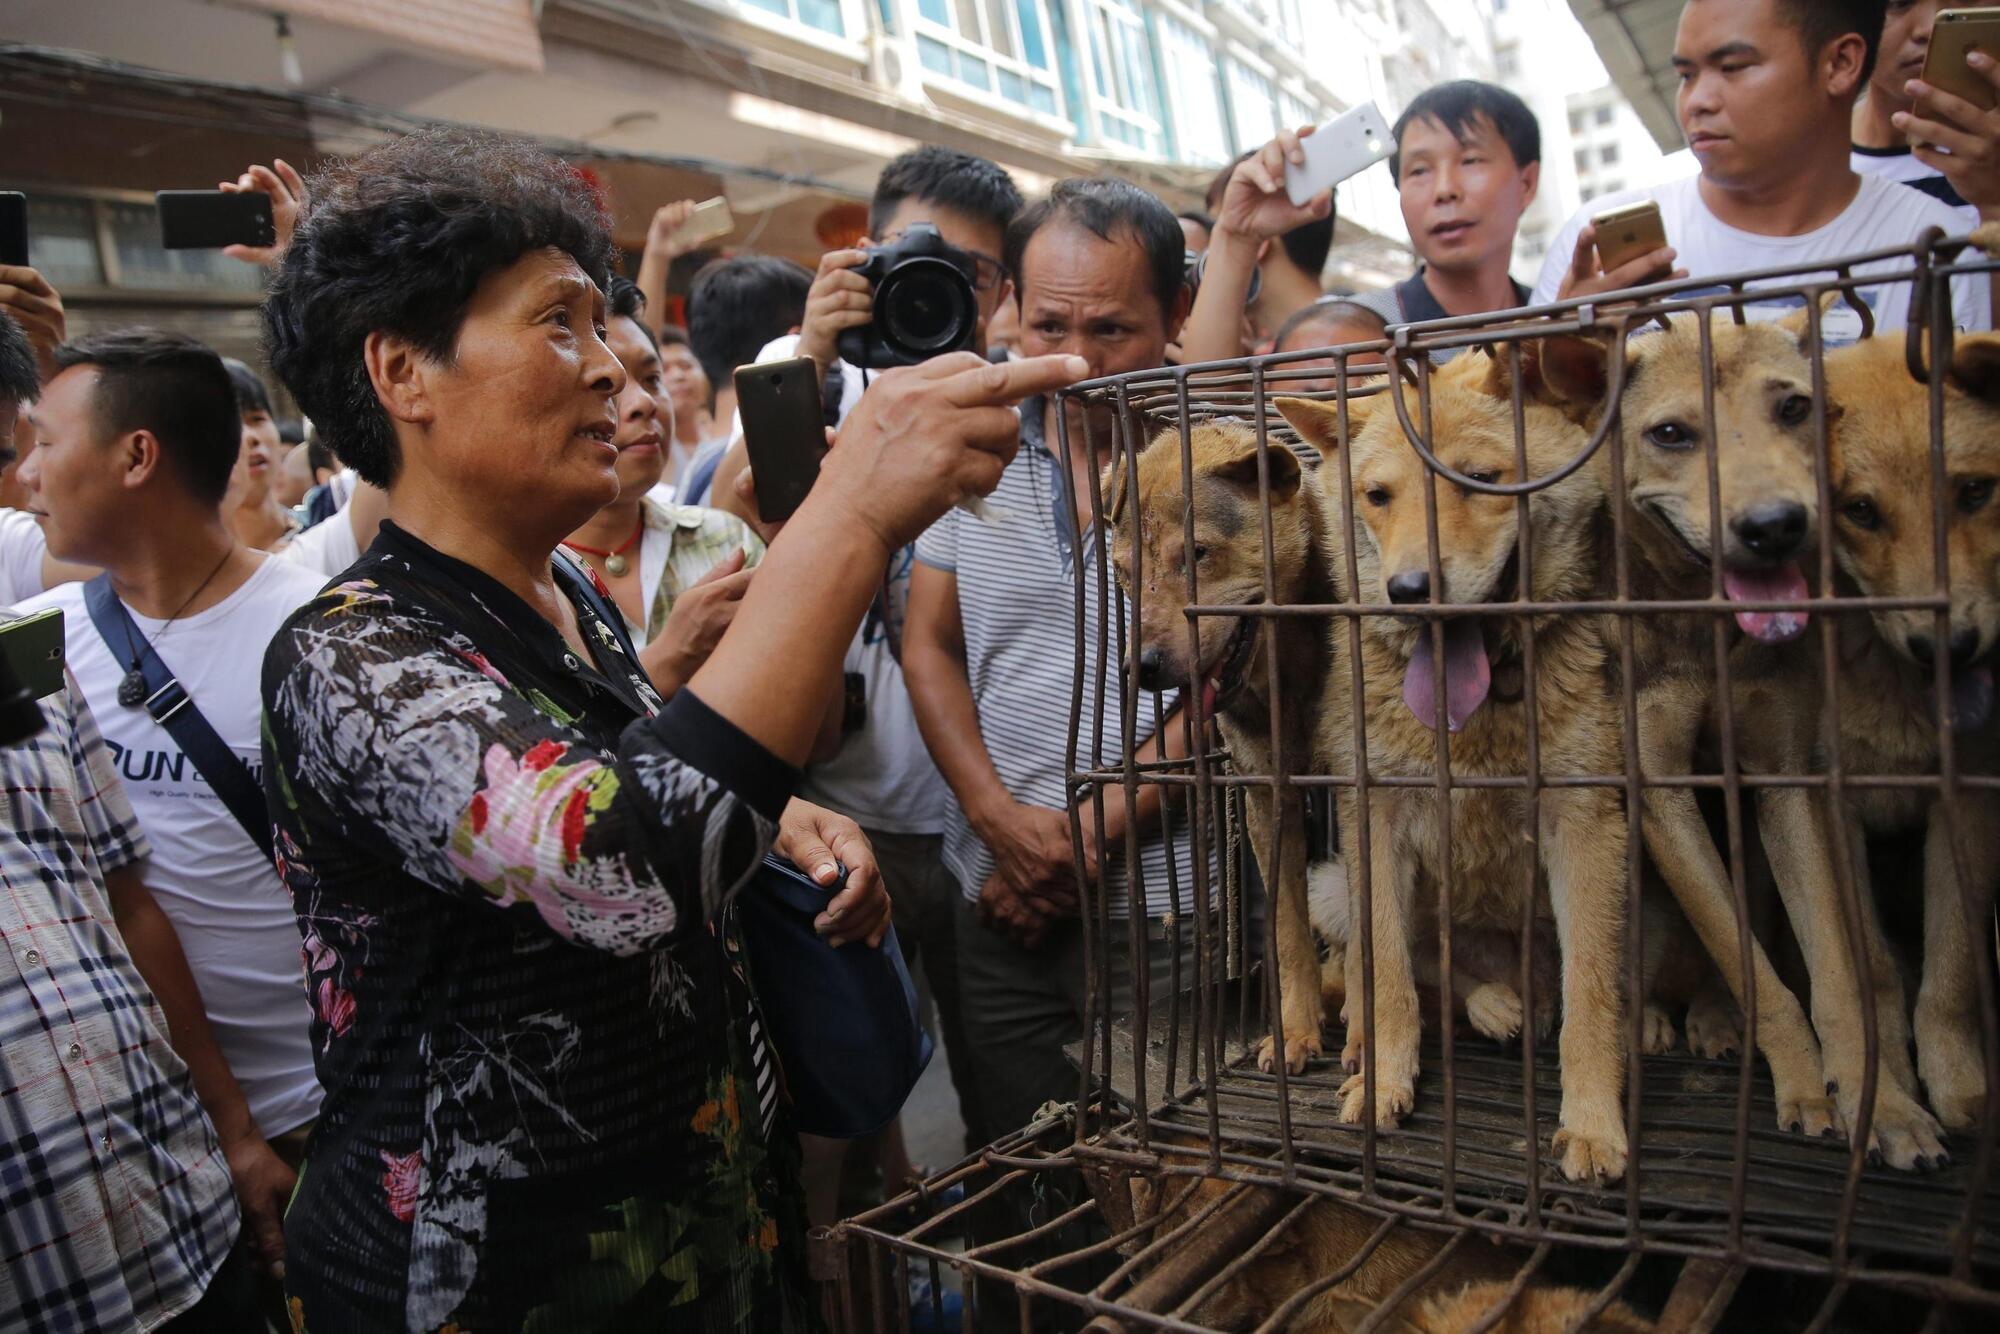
{"points": [[232, 913], [882, 777], [22, 547], [1883, 214]]}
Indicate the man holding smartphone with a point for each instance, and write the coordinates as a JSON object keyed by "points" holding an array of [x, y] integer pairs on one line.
{"points": [[1925, 120], [1767, 95]]}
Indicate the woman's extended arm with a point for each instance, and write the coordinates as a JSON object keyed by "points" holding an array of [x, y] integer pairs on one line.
{"points": [[919, 440]]}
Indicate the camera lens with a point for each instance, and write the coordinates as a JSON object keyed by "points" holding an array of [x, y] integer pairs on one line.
{"points": [[925, 306]]}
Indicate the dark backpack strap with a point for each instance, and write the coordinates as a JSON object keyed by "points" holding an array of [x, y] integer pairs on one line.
{"points": [[582, 588], [174, 709]]}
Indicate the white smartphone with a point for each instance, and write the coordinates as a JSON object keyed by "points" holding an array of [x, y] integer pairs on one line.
{"points": [[709, 220], [1349, 143]]}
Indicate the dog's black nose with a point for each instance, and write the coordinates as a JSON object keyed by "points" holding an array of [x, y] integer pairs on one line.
{"points": [[1410, 586], [1775, 529], [1964, 647], [1151, 668], [1921, 648]]}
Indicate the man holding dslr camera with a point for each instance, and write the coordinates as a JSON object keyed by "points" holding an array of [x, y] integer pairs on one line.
{"points": [[928, 286]]}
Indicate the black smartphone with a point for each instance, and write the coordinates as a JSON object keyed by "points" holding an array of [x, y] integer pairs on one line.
{"points": [[211, 219], [783, 432], [13, 228], [33, 648]]}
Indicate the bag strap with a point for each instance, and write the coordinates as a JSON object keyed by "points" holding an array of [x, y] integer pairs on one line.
{"points": [[170, 705]]}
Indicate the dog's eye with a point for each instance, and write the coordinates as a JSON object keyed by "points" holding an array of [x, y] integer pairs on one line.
{"points": [[1861, 512], [1485, 477], [1200, 553], [1794, 409], [1378, 496], [1671, 435], [1973, 495]]}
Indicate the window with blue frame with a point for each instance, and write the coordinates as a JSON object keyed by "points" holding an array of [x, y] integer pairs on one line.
{"points": [[1250, 106], [995, 46], [822, 15], [1121, 70], [1194, 99]]}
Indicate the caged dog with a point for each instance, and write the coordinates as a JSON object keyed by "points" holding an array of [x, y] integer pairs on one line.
{"points": [[1889, 705], [1471, 681], [1228, 655], [1770, 526]]}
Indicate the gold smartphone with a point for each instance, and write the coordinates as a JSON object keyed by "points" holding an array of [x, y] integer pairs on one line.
{"points": [[710, 219], [1629, 232], [1957, 33]]}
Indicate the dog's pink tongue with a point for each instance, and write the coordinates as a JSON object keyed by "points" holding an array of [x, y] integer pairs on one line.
{"points": [[1468, 675], [1785, 583]]}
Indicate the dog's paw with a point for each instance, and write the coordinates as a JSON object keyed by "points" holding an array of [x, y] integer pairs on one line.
{"points": [[1809, 1111], [1954, 1074], [1595, 1155], [1394, 1097], [1299, 1048], [1495, 1010], [1656, 1031], [1903, 1134], [1715, 1027]]}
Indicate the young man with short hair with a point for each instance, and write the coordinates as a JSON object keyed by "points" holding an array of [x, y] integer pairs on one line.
{"points": [[1467, 165], [139, 432], [1264, 255], [121, 1127], [1767, 95]]}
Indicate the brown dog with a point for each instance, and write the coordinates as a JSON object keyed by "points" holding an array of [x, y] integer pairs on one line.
{"points": [[1889, 709], [1770, 526], [1229, 655], [1470, 680]]}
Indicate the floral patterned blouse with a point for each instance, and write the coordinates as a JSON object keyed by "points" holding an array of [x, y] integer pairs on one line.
{"points": [[547, 1107]]}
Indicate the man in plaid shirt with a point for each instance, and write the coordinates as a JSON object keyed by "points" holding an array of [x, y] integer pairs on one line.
{"points": [[125, 1143]]}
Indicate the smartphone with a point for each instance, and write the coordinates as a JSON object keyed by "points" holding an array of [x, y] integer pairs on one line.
{"points": [[710, 219], [1957, 33], [14, 228], [783, 432], [211, 219], [1629, 232], [1349, 143], [33, 647]]}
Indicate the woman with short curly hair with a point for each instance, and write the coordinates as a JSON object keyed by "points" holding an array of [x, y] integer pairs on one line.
{"points": [[548, 1101]]}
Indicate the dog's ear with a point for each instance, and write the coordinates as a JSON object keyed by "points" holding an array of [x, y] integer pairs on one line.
{"points": [[1799, 325], [1562, 370], [1318, 424], [1236, 462], [1975, 366], [1111, 491]]}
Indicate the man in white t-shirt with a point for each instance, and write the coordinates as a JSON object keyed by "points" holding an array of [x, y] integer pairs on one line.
{"points": [[138, 435], [1767, 94], [26, 567]]}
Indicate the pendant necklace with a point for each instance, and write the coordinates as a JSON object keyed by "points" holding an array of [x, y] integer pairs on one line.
{"points": [[614, 560], [132, 689]]}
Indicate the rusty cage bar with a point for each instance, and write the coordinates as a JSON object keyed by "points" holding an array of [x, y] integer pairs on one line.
{"points": [[1189, 1188]]}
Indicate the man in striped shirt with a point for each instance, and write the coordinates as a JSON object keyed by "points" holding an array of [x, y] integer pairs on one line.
{"points": [[989, 652]]}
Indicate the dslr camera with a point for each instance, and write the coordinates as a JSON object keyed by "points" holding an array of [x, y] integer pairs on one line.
{"points": [[924, 303]]}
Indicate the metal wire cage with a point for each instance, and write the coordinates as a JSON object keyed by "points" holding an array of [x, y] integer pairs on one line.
{"points": [[1188, 1187]]}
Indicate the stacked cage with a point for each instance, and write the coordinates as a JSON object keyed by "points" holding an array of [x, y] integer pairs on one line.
{"points": [[1566, 667]]}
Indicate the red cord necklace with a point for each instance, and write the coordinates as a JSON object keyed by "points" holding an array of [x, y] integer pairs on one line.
{"points": [[614, 560]]}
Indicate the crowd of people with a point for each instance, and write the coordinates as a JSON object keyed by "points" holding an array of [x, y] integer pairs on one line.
{"points": [[483, 693]]}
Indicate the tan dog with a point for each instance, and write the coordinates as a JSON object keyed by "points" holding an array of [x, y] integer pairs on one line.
{"points": [[1471, 681], [1326, 1237], [1888, 712], [1770, 526], [1229, 654]]}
